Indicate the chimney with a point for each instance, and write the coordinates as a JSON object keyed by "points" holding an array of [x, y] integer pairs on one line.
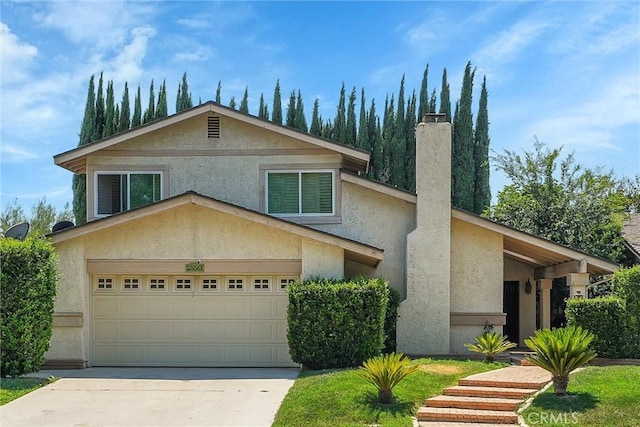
{"points": [[423, 324]]}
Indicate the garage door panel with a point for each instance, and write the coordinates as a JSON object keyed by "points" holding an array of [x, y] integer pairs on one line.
{"points": [[105, 354], [105, 307], [262, 332], [131, 355], [182, 331], [182, 309], [263, 308], [235, 331], [158, 307], [131, 330], [281, 307], [236, 308], [131, 307], [237, 354], [210, 307], [105, 330], [157, 330], [209, 355], [210, 331]]}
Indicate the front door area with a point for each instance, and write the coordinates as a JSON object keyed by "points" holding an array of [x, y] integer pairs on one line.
{"points": [[510, 304]]}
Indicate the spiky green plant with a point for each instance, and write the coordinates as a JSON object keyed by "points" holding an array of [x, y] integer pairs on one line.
{"points": [[490, 344], [384, 372], [560, 351]]}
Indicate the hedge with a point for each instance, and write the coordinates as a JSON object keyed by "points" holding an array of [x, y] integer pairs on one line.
{"points": [[335, 324], [28, 287], [391, 321], [607, 319], [626, 286]]}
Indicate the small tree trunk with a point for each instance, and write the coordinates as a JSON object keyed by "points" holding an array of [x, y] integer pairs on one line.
{"points": [[385, 395], [560, 384]]}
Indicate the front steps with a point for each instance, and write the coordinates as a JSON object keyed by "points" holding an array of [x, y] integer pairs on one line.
{"points": [[488, 398]]}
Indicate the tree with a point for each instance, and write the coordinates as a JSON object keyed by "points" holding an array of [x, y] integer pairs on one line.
{"points": [[374, 134], [183, 98], [462, 165], [13, 214], [162, 110], [110, 117], [350, 128], [398, 147], [43, 216], [232, 103], [300, 121], [99, 117], [219, 93], [482, 189], [445, 102], [136, 120], [244, 103], [125, 112], [276, 111], [150, 112], [263, 111], [410, 141], [423, 108], [316, 120], [291, 110], [87, 132], [432, 104], [340, 122], [363, 137], [557, 199]]}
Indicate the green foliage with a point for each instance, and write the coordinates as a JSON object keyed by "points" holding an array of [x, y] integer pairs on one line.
{"points": [[316, 120], [385, 372], [481, 189], [606, 319], [398, 147], [462, 149], [626, 286], [28, 286], [490, 344], [276, 114], [560, 351], [445, 97], [219, 92], [423, 107], [340, 121], [391, 321], [43, 216], [244, 103], [162, 109], [13, 388], [183, 98], [124, 123], [150, 113], [350, 127], [334, 323], [263, 111]]}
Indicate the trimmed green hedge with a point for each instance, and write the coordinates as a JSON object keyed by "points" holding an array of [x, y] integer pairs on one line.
{"points": [[391, 321], [28, 288], [626, 286], [335, 324], [606, 318]]}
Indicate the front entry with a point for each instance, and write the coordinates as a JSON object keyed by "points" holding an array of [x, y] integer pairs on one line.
{"points": [[510, 304]]}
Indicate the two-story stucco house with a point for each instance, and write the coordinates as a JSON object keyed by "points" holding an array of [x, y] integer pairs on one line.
{"points": [[199, 221]]}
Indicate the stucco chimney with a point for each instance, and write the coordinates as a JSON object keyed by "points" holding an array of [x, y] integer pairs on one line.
{"points": [[423, 323]]}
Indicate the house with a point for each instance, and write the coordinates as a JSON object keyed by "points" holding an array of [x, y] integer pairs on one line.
{"points": [[198, 222], [631, 235]]}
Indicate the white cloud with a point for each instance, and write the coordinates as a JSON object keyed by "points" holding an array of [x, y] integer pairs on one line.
{"points": [[16, 56], [194, 23], [508, 44], [127, 65], [12, 154]]}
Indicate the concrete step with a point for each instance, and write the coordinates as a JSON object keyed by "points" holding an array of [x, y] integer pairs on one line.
{"points": [[466, 415], [506, 393], [463, 402], [457, 424], [525, 362], [529, 384]]}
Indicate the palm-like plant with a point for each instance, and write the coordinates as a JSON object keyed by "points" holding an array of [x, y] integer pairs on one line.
{"points": [[560, 351], [385, 372], [490, 344]]}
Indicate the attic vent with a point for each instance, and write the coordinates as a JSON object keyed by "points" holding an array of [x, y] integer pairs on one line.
{"points": [[213, 127]]}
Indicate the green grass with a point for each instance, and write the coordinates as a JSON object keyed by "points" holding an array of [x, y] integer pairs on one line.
{"points": [[598, 396], [339, 398], [13, 388]]}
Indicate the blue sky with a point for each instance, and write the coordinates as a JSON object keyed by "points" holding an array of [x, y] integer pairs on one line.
{"points": [[566, 72]]}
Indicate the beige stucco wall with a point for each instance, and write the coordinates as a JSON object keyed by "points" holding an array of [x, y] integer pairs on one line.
{"points": [[321, 260], [476, 277], [520, 272]]}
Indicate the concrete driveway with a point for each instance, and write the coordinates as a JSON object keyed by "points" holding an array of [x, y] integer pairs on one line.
{"points": [[153, 397]]}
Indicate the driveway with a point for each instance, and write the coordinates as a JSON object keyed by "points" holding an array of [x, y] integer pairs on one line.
{"points": [[153, 397]]}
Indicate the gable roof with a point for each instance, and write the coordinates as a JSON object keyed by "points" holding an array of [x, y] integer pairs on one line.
{"points": [[353, 250], [75, 160], [631, 234]]}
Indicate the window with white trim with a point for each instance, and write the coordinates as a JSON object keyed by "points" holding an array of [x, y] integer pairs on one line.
{"points": [[131, 284], [284, 282], [183, 284], [105, 284], [209, 284], [261, 284], [121, 191], [157, 284], [300, 192], [235, 284]]}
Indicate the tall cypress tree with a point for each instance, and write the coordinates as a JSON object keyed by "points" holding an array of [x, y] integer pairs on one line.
{"points": [[87, 132], [150, 112], [300, 121], [136, 120], [432, 104], [327, 129], [423, 108], [397, 165], [482, 190], [374, 137], [109, 117], [162, 110], [291, 110], [219, 93], [350, 130], [276, 114], [340, 122], [462, 166], [386, 132], [99, 129], [244, 103], [232, 103], [410, 138], [183, 99], [445, 98], [116, 119], [316, 121], [263, 112], [125, 111], [363, 136]]}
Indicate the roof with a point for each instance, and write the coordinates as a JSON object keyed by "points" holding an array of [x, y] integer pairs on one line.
{"points": [[631, 234], [354, 251], [75, 160]]}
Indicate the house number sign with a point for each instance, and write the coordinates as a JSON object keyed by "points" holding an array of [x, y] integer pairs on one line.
{"points": [[194, 267]]}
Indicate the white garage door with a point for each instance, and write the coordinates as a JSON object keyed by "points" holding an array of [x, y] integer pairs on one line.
{"points": [[190, 320]]}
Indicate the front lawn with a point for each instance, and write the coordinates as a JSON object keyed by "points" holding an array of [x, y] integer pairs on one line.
{"points": [[13, 388], [339, 398], [598, 396]]}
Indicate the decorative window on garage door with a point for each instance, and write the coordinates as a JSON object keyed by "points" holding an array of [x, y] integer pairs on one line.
{"points": [[210, 284], [105, 283], [283, 283], [183, 284], [157, 284], [261, 284], [235, 284], [131, 284]]}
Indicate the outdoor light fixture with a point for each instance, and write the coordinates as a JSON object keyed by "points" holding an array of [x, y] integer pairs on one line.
{"points": [[527, 287]]}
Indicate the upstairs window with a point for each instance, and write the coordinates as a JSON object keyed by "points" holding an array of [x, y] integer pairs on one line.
{"points": [[300, 193], [122, 191]]}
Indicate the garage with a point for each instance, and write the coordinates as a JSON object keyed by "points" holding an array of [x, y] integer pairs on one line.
{"points": [[190, 320]]}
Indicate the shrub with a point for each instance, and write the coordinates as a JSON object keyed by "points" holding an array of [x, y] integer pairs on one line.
{"points": [[490, 344], [333, 324], [626, 286], [560, 351], [606, 318], [385, 372], [28, 286], [390, 321]]}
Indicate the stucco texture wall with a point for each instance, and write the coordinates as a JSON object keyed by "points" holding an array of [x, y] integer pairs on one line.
{"points": [[520, 272], [476, 277]]}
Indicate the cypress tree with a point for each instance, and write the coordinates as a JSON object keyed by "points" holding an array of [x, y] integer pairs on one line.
{"points": [[386, 132], [397, 165], [232, 103], [244, 103], [363, 136], [300, 121], [87, 131], [374, 142], [327, 129], [219, 93], [125, 112], [276, 114], [410, 138], [291, 110], [162, 110], [482, 190], [350, 130], [109, 117], [340, 122], [432, 104], [183, 99], [424, 94], [445, 102], [462, 166], [150, 112], [316, 121], [116, 119], [99, 129], [137, 110], [263, 112]]}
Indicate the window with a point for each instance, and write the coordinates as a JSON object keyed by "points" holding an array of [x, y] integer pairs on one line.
{"points": [[121, 191], [235, 284], [300, 193], [284, 283], [157, 284], [209, 284], [131, 284], [182, 284], [261, 284], [105, 284]]}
